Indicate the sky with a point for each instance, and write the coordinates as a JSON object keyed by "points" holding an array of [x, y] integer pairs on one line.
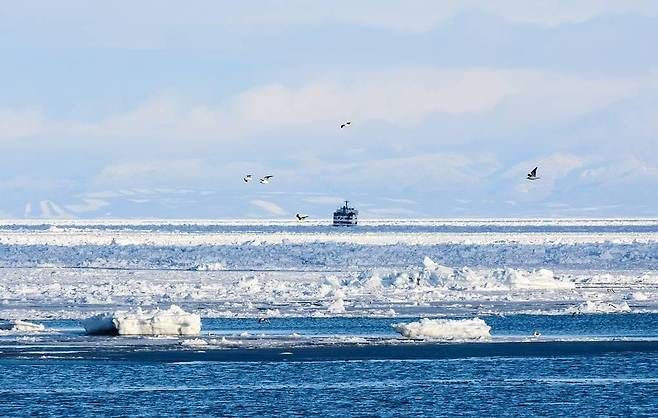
{"points": [[157, 109]]}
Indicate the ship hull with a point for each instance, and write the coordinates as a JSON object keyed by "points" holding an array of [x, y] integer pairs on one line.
{"points": [[339, 221], [345, 216]]}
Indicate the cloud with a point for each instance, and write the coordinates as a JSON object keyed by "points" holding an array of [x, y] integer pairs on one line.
{"points": [[324, 200], [36, 183], [390, 212], [556, 12], [402, 98], [87, 205], [21, 123], [224, 24], [162, 172], [269, 207]]}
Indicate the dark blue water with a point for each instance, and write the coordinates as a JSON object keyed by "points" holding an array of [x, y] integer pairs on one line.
{"points": [[610, 325], [620, 325], [603, 385], [586, 378]]}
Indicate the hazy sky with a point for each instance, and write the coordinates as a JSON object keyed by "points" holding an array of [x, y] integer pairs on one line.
{"points": [[157, 108]]}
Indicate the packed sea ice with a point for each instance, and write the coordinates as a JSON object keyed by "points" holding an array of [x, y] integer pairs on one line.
{"points": [[77, 269], [435, 275]]}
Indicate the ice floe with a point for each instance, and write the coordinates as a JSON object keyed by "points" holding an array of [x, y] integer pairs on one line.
{"points": [[435, 275], [194, 342], [21, 326], [589, 307], [172, 321], [337, 306], [445, 329], [210, 267]]}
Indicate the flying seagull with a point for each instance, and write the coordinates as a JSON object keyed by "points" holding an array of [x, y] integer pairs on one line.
{"points": [[345, 125], [533, 175], [247, 178], [265, 179], [301, 217]]}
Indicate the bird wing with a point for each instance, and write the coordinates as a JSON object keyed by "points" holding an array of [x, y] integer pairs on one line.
{"points": [[534, 172], [268, 177]]}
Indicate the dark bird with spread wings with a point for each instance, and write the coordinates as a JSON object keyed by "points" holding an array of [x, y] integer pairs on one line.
{"points": [[533, 175]]}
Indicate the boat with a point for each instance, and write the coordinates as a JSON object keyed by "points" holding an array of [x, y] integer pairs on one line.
{"points": [[345, 216]]}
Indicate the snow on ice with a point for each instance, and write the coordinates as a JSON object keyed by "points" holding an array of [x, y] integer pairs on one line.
{"points": [[593, 307], [75, 269], [433, 274], [445, 329], [172, 321]]}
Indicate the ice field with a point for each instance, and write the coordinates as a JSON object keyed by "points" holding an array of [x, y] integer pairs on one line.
{"points": [[404, 311], [71, 270]]}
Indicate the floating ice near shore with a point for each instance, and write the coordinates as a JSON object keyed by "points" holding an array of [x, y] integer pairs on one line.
{"points": [[602, 307], [445, 329], [21, 326], [172, 321], [195, 342]]}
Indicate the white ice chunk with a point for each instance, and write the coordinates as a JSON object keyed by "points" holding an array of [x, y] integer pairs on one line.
{"points": [[541, 279], [448, 278], [445, 329], [333, 282], [172, 321], [602, 307], [337, 306], [22, 326], [194, 342], [210, 267]]}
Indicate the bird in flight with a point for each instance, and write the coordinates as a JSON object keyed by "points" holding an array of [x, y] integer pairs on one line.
{"points": [[247, 178], [533, 175], [301, 217], [346, 124], [265, 179]]}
